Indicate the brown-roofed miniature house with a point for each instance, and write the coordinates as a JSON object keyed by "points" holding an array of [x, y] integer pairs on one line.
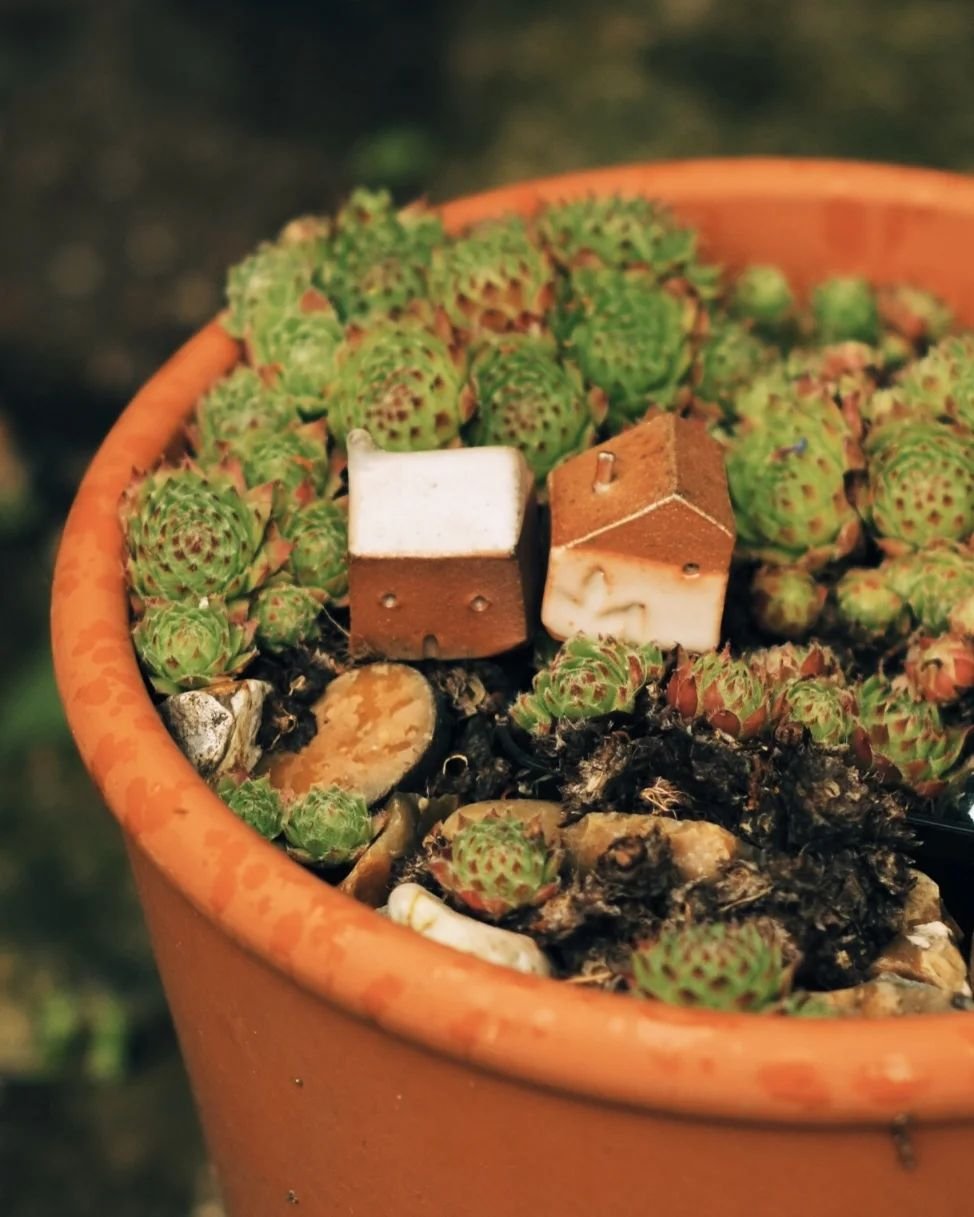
{"points": [[642, 533], [442, 551]]}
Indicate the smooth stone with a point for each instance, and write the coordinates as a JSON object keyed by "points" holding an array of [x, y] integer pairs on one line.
{"points": [[216, 728]]}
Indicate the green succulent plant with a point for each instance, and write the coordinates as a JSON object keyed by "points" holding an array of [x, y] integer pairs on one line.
{"points": [[497, 864], [917, 315], [940, 384], [318, 533], [589, 677], [786, 600], [921, 485], [294, 459], [730, 967], [328, 826], [191, 534], [527, 399], [825, 708], [869, 609], [298, 353], [493, 280], [237, 405], [256, 802], [932, 581], [908, 740], [729, 359], [778, 666], [844, 307], [286, 614], [190, 645], [632, 339], [721, 690], [275, 281], [403, 384], [940, 669], [762, 296], [786, 468]]}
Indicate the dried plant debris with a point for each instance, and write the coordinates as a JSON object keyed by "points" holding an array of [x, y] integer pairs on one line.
{"points": [[729, 829]]}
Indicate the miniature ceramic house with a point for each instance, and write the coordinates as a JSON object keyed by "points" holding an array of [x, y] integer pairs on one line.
{"points": [[642, 532], [442, 554]]}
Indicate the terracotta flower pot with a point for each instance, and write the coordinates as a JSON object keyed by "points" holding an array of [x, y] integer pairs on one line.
{"points": [[347, 1066]]}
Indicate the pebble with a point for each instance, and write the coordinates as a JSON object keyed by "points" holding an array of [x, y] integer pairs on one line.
{"points": [[216, 728]]}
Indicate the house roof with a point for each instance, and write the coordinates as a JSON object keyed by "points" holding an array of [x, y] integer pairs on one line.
{"points": [[452, 502], [657, 462]]}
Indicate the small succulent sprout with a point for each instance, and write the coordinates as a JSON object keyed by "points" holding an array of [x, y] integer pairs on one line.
{"points": [[236, 406], [497, 864], [616, 231], [932, 581], [633, 339], [192, 534], [730, 358], [906, 740], [960, 622], [940, 669], [844, 307], [403, 384], [868, 607], [848, 372], [777, 666], [786, 601], [721, 690], [270, 283], [589, 677], [256, 802], [328, 826], [912, 313], [730, 967], [942, 383], [286, 614], [787, 466], [318, 535], [528, 399], [493, 280], [921, 485], [825, 708], [186, 645], [762, 296], [297, 356], [293, 458]]}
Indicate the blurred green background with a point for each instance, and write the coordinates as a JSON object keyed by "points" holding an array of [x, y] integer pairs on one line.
{"points": [[147, 145]]}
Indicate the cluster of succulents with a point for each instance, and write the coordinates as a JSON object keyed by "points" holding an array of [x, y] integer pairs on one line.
{"points": [[847, 417]]}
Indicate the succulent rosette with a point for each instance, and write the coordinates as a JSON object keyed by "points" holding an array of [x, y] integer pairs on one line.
{"points": [[721, 690], [191, 534], [274, 281], [907, 740], [294, 458], [869, 608], [786, 600], [588, 678], [779, 666], [940, 669], [845, 307], [921, 485], [918, 316], [492, 280], [286, 614], [932, 581], [237, 405], [960, 620], [632, 339], [528, 399], [787, 466], [190, 645], [496, 865], [730, 358], [826, 709], [327, 826], [718, 966], [617, 231], [762, 296], [403, 384], [297, 356], [257, 803], [318, 534]]}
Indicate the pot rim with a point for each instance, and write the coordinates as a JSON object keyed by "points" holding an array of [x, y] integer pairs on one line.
{"points": [[588, 1044]]}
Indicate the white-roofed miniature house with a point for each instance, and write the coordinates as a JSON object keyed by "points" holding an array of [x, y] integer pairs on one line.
{"points": [[442, 550]]}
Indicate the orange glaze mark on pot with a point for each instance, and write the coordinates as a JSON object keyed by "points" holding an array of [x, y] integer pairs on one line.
{"points": [[794, 1082], [893, 1082], [286, 933]]}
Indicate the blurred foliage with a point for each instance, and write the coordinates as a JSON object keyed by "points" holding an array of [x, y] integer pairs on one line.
{"points": [[149, 143]]}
